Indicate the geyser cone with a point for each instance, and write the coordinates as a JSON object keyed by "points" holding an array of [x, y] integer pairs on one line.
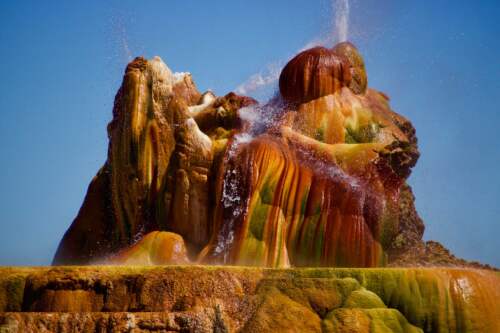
{"points": [[320, 71]]}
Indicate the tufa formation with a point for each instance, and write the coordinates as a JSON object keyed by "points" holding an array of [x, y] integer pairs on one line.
{"points": [[315, 177]]}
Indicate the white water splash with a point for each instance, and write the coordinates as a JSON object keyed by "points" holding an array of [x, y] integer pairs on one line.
{"points": [[231, 200], [249, 114], [341, 8], [242, 138]]}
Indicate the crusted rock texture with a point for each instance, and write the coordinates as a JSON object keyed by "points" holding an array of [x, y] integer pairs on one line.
{"points": [[237, 299]]}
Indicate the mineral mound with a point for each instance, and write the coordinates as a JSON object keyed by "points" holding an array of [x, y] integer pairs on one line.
{"points": [[315, 177]]}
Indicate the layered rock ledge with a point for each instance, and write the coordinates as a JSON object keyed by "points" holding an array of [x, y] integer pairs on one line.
{"points": [[245, 299]]}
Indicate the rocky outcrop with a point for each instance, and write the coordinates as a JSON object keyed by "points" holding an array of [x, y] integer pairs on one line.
{"points": [[158, 174], [231, 299]]}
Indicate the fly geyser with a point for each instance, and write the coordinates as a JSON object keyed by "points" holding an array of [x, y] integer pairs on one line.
{"points": [[309, 189], [315, 177], [312, 178]]}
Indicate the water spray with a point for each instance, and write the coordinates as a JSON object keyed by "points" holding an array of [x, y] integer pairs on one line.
{"points": [[341, 9]]}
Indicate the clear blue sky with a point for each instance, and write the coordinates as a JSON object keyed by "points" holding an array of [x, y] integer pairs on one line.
{"points": [[62, 63]]}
